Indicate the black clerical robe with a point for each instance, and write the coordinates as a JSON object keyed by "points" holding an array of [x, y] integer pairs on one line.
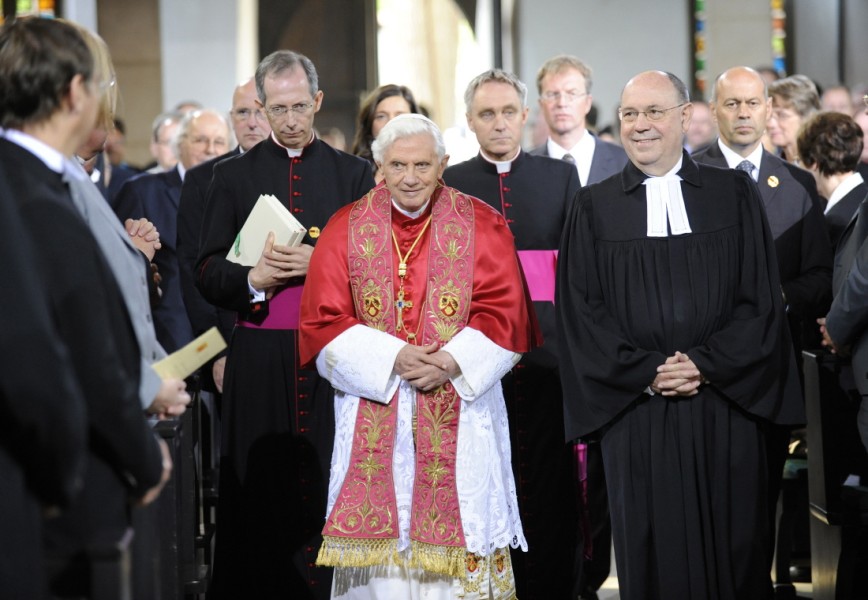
{"points": [[278, 422], [533, 197], [687, 476]]}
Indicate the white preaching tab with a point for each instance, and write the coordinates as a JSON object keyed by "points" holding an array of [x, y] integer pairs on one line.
{"points": [[665, 203]]}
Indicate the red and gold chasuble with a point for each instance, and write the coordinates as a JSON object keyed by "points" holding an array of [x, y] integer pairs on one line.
{"points": [[362, 529]]}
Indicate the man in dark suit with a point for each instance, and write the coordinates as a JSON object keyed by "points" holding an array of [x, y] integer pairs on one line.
{"points": [[250, 127], [564, 86], [49, 95], [202, 135], [533, 194], [740, 106], [846, 324], [278, 419], [43, 426]]}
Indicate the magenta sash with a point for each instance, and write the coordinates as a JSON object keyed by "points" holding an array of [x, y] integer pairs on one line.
{"points": [[283, 310], [539, 268]]}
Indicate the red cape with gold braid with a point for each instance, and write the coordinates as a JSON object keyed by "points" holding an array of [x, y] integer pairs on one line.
{"points": [[469, 276]]}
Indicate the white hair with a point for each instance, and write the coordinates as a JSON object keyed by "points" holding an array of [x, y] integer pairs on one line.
{"points": [[404, 126]]}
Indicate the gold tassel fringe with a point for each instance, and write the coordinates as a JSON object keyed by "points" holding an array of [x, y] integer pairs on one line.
{"points": [[446, 560], [349, 552]]}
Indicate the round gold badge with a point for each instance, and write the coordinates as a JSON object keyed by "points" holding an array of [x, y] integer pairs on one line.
{"points": [[314, 232], [773, 181]]}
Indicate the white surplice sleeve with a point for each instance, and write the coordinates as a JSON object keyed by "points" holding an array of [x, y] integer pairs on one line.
{"points": [[483, 363], [360, 362]]}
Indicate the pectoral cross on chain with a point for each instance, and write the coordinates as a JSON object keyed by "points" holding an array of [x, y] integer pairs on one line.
{"points": [[401, 304]]}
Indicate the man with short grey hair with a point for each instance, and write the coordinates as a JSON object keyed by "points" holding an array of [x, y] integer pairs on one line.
{"points": [[277, 419], [418, 311], [533, 194], [163, 131]]}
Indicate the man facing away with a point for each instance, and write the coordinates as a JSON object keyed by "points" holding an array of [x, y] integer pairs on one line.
{"points": [[277, 420], [419, 309], [676, 354], [49, 99], [533, 194]]}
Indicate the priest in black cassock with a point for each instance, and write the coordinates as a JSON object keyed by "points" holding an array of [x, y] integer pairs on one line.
{"points": [[532, 193], [676, 353], [278, 422]]}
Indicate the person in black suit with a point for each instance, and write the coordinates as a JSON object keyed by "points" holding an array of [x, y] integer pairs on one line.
{"points": [[250, 127], [43, 423], [533, 194], [564, 86], [740, 105], [830, 145], [844, 327], [277, 419], [49, 98], [202, 135]]}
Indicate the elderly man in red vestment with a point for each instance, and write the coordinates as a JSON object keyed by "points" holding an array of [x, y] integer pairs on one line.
{"points": [[419, 309]]}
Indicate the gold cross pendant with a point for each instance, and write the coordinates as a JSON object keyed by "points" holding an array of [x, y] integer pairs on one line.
{"points": [[401, 303]]}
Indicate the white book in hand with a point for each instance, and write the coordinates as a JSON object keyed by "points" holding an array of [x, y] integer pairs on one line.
{"points": [[268, 214]]}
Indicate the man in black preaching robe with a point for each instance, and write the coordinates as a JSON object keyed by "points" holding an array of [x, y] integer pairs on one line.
{"points": [[532, 193], [277, 421], [676, 353]]}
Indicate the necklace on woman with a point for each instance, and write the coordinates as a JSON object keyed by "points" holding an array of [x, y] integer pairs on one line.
{"points": [[401, 301]]}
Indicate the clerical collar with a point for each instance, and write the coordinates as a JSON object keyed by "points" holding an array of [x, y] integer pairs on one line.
{"points": [[844, 188], [413, 214], [582, 152], [664, 203], [503, 166], [733, 158], [293, 152]]}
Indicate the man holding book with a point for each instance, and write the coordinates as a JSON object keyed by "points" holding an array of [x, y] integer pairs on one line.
{"points": [[277, 418]]}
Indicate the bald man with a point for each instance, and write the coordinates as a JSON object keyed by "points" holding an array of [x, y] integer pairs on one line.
{"points": [[676, 355]]}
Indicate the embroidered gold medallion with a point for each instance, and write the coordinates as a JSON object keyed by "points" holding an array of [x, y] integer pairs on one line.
{"points": [[372, 301]]}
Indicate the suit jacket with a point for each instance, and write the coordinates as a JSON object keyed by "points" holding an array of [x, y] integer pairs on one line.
{"points": [[842, 213], [848, 316], [608, 159], [132, 271], [43, 424], [191, 210], [804, 255], [155, 196], [124, 459]]}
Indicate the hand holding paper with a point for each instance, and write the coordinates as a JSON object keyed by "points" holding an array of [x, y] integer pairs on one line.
{"points": [[182, 363]]}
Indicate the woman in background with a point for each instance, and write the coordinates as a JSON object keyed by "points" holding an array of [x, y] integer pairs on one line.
{"points": [[378, 108], [794, 100]]}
